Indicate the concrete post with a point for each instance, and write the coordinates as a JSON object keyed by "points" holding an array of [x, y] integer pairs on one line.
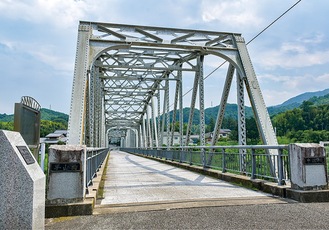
{"points": [[66, 174], [308, 167]]}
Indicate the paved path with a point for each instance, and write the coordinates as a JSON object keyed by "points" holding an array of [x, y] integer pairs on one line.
{"points": [[137, 183], [144, 194]]}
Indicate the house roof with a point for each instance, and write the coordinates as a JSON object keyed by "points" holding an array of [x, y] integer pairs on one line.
{"points": [[54, 135]]}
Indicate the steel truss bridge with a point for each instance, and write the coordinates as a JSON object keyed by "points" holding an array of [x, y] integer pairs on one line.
{"points": [[127, 78]]}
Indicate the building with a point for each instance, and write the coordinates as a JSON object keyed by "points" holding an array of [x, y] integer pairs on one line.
{"points": [[55, 137]]}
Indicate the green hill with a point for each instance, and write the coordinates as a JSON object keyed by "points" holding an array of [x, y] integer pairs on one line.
{"points": [[317, 98], [46, 114], [6, 118], [50, 115], [304, 97], [50, 121]]}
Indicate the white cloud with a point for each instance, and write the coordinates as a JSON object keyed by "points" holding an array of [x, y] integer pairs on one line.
{"points": [[293, 55], [285, 87], [237, 13], [57, 62], [313, 38], [61, 13]]}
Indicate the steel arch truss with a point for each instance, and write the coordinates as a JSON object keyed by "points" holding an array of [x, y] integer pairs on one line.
{"points": [[123, 75]]}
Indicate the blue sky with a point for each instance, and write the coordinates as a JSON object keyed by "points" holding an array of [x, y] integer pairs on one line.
{"points": [[38, 43]]}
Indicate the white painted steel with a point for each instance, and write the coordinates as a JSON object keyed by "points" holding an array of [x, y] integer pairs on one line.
{"points": [[120, 68]]}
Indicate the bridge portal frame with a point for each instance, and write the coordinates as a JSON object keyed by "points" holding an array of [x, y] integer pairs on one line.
{"points": [[136, 63]]}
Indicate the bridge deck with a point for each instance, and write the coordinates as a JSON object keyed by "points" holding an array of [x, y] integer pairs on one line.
{"points": [[136, 180]]}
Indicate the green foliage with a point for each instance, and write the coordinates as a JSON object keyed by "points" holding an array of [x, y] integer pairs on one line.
{"points": [[50, 127], [50, 115], [6, 118], [7, 125], [308, 136], [308, 123]]}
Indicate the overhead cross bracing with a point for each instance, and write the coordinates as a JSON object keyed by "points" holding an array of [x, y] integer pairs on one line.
{"points": [[125, 76]]}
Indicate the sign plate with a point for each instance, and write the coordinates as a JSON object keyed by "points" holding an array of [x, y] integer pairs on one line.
{"points": [[65, 167], [27, 156], [314, 160]]}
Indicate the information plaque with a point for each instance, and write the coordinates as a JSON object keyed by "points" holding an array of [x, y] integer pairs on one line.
{"points": [[26, 154], [65, 167], [314, 160]]}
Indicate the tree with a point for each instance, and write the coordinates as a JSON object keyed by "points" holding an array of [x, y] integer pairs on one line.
{"points": [[211, 125], [7, 125]]}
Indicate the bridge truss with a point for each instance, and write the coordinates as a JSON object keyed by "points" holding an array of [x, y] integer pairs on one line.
{"points": [[127, 76]]}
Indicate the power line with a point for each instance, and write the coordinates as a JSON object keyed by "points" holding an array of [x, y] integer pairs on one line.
{"points": [[274, 22], [257, 35]]}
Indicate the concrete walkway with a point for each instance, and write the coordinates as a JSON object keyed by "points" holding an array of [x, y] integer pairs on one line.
{"points": [[144, 194], [135, 183]]}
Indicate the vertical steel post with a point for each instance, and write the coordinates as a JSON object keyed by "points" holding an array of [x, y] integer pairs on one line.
{"points": [[181, 115], [201, 104], [167, 114], [141, 140], [174, 112], [160, 133], [155, 130], [164, 116], [223, 160], [77, 117], [280, 167], [144, 132], [148, 126], [241, 122], [253, 164]]}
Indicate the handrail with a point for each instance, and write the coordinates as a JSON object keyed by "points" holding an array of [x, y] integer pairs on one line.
{"points": [[95, 158], [254, 162]]}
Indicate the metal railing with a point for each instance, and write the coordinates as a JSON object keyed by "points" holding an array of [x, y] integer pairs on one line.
{"points": [[255, 161], [95, 158]]}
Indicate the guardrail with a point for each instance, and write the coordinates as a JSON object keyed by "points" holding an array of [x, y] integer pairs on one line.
{"points": [[95, 158], [254, 161]]}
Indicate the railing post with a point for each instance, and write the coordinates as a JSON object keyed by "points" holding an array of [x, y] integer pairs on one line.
{"points": [[253, 164], [224, 160], [190, 157], [280, 167], [180, 155], [203, 154]]}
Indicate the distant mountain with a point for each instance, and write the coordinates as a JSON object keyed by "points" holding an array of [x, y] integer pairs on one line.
{"points": [[322, 100], [50, 115], [304, 97], [211, 113], [46, 114], [318, 98], [6, 118], [296, 101]]}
